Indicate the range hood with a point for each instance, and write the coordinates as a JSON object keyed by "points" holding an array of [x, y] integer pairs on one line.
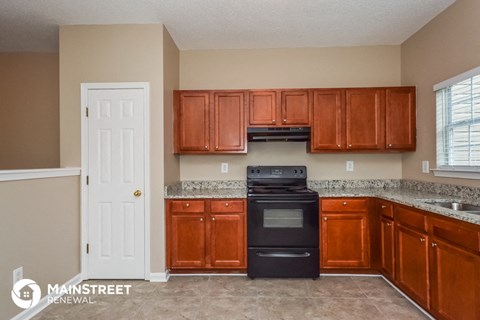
{"points": [[278, 134]]}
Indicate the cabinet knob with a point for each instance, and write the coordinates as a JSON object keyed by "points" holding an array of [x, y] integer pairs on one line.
{"points": [[213, 219], [422, 240], [187, 204], [206, 147], [216, 147], [389, 145], [434, 244], [388, 224], [349, 145], [339, 146], [325, 218], [226, 204], [201, 219], [344, 203], [383, 206], [284, 120], [273, 120]]}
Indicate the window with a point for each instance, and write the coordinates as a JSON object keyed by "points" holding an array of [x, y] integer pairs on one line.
{"points": [[458, 126]]}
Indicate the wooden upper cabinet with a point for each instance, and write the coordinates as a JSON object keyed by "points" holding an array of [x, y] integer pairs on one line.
{"points": [[295, 108], [364, 118], [262, 108], [279, 108], [193, 125], [400, 115], [328, 120], [210, 122], [229, 115]]}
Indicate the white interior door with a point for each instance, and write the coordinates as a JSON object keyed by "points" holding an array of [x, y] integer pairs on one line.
{"points": [[116, 218]]}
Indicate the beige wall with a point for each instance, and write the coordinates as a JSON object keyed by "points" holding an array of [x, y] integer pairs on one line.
{"points": [[171, 81], [29, 120], [291, 68], [445, 47], [115, 53], [41, 237]]}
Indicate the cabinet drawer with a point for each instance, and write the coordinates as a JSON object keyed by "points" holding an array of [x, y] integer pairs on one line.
{"points": [[219, 206], [409, 217], [188, 206], [452, 232], [385, 209], [344, 205]]}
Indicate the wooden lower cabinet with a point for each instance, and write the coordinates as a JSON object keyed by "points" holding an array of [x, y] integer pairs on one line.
{"points": [[412, 272], [206, 234], [387, 247], [344, 234]]}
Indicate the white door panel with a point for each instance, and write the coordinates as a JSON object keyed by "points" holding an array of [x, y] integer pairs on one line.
{"points": [[116, 171]]}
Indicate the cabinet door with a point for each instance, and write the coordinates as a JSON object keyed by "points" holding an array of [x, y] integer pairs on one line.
{"points": [[455, 282], [193, 122], [262, 108], [345, 240], [364, 119], [400, 114], [387, 247], [229, 113], [328, 120], [227, 240], [187, 240], [295, 108], [411, 258]]}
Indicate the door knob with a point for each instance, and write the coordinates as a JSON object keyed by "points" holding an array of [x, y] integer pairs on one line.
{"points": [[137, 193]]}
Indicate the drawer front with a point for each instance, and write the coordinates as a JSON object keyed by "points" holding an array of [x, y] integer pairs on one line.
{"points": [[344, 205], [409, 217], [188, 206], [385, 209], [452, 232], [221, 206]]}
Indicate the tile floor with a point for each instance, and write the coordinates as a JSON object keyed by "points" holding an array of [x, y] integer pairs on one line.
{"points": [[234, 297]]}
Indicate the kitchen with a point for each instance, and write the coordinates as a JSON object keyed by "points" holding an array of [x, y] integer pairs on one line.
{"points": [[338, 67]]}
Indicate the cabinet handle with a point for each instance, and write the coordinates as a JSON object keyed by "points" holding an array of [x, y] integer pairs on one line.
{"points": [[434, 244], [187, 204], [201, 219], [344, 203], [325, 218], [284, 120], [349, 145], [273, 120], [389, 145], [226, 204], [388, 224], [383, 206], [206, 147], [216, 147], [213, 219], [422, 239], [339, 146]]}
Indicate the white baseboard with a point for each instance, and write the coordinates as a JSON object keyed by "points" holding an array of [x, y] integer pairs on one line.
{"points": [[159, 276], [44, 302]]}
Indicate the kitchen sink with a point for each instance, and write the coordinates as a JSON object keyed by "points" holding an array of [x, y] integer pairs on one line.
{"points": [[454, 205]]}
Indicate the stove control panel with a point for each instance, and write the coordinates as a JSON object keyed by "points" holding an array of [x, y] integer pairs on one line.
{"points": [[282, 172]]}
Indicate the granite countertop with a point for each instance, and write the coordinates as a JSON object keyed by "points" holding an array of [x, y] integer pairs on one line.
{"points": [[405, 196]]}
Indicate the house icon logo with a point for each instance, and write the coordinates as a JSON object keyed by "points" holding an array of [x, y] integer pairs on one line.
{"points": [[26, 293]]}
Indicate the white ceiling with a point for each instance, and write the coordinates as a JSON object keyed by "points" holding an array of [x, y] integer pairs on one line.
{"points": [[32, 25]]}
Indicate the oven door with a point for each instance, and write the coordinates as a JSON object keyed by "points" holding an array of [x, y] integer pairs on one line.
{"points": [[282, 222]]}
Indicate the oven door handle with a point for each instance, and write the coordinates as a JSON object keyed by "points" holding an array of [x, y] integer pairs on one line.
{"points": [[284, 201], [283, 255]]}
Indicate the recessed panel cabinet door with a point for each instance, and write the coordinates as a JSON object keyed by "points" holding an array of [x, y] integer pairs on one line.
{"points": [[400, 117], [194, 122], [295, 108], [187, 240], [364, 119], [455, 282], [229, 111], [227, 240], [412, 273], [263, 108], [387, 247], [327, 123]]}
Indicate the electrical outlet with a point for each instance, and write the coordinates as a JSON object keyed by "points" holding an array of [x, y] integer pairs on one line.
{"points": [[17, 275], [349, 166], [224, 168], [425, 167]]}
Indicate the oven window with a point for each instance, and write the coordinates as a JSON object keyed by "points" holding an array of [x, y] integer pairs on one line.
{"points": [[283, 218]]}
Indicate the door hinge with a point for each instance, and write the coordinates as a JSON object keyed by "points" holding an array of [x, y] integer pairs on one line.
{"points": [[88, 248], [87, 111], [88, 180]]}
